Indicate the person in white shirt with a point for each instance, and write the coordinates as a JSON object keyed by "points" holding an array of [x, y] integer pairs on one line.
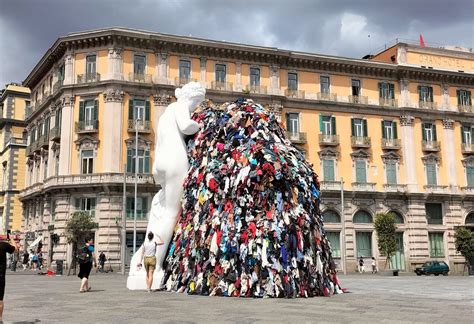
{"points": [[149, 258]]}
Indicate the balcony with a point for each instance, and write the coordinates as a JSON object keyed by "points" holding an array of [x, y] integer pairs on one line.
{"points": [[139, 77], [183, 81], [388, 102], [55, 134], [391, 144], [43, 141], [465, 108], [326, 96], [363, 186], [328, 140], [143, 126], [435, 189], [296, 137], [16, 141], [256, 89], [330, 185], [394, 187], [363, 100], [29, 150], [430, 146], [293, 93], [360, 141], [141, 215], [88, 126], [428, 105], [88, 78], [224, 86], [57, 86], [467, 190]]}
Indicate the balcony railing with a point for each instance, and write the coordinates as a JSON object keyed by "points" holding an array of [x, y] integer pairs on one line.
{"points": [[430, 146], [391, 143], [435, 189], [138, 77], [182, 81], [16, 141], [326, 96], [224, 86], [465, 108], [143, 126], [57, 85], [88, 126], [360, 141], [88, 78], [43, 141], [331, 185], [55, 133], [394, 187], [256, 89], [330, 140], [363, 186], [467, 190], [290, 93], [296, 137], [427, 105], [140, 215], [364, 100], [388, 102]]}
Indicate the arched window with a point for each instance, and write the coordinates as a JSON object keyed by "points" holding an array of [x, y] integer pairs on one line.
{"points": [[362, 217], [398, 217], [331, 216], [470, 218]]}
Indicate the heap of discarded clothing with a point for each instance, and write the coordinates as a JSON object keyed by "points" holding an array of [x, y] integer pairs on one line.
{"points": [[250, 224]]}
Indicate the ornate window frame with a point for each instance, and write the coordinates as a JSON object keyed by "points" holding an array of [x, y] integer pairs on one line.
{"points": [[431, 159], [86, 143]]}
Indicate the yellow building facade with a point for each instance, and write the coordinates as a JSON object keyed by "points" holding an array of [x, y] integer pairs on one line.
{"points": [[14, 100], [392, 132]]}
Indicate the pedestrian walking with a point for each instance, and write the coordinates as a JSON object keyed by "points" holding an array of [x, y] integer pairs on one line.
{"points": [[102, 259], [374, 265], [86, 258], [26, 259], [148, 257], [361, 265], [5, 247], [34, 262]]}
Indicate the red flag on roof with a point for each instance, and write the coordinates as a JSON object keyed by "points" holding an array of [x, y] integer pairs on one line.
{"points": [[422, 41]]}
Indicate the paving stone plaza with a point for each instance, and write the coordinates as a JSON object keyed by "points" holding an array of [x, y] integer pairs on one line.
{"points": [[31, 298]]}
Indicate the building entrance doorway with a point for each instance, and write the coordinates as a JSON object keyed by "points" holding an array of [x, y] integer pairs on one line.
{"points": [[129, 247], [397, 261]]}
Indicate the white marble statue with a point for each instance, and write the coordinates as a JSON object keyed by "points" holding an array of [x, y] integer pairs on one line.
{"points": [[169, 170]]}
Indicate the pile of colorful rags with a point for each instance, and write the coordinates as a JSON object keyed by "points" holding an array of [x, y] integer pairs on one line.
{"points": [[250, 224]]}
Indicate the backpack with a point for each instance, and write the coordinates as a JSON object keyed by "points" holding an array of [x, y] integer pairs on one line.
{"points": [[83, 255]]}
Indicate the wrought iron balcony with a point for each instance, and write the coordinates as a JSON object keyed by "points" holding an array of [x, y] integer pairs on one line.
{"points": [[394, 187], [428, 105], [364, 100], [88, 78], [391, 143], [292, 93], [224, 86], [363, 186], [182, 81], [139, 77], [88, 126], [329, 140], [360, 141], [256, 89], [325, 96], [55, 134], [143, 126], [43, 141], [388, 102], [296, 137], [465, 108], [430, 146], [435, 189], [331, 185]]}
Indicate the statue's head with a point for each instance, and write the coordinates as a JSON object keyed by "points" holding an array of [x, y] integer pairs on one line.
{"points": [[192, 91]]}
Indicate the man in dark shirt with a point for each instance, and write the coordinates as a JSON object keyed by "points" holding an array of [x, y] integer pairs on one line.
{"points": [[5, 248]]}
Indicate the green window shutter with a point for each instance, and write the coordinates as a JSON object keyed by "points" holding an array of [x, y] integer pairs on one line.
{"points": [[96, 109], [321, 125], [288, 122], [391, 89], [147, 110], [77, 203], [333, 237], [129, 161], [364, 244], [463, 140], [430, 93], [366, 133], [333, 125], [391, 169], [130, 109], [395, 133], [458, 94], [435, 138], [328, 170], [380, 90], [431, 174], [352, 127], [470, 176], [81, 111], [147, 162], [436, 245], [423, 133], [383, 129], [361, 172]]}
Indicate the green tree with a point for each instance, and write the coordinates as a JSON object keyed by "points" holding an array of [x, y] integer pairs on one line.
{"points": [[78, 228], [464, 242], [386, 235]]}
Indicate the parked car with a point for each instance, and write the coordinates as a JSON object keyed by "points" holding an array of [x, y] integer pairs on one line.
{"points": [[433, 267]]}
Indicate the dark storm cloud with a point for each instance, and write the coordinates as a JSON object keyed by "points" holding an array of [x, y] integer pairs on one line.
{"points": [[29, 27]]}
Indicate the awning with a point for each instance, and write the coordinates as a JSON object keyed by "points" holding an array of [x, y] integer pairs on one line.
{"points": [[35, 242]]}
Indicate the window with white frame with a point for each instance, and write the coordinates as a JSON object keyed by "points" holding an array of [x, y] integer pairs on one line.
{"points": [[355, 87], [329, 169], [91, 67], [328, 125], [391, 172], [143, 161], [139, 65], [361, 171], [467, 133], [386, 90], [359, 127], [325, 84], [292, 81], [184, 69], [220, 73], [429, 132], [86, 204], [464, 97], [293, 123], [389, 129], [254, 77], [87, 161], [470, 176], [425, 93], [431, 174]]}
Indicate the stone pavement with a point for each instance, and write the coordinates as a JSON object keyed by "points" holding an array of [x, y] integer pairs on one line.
{"points": [[31, 298]]}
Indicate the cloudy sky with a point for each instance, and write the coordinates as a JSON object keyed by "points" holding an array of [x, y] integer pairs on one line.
{"points": [[337, 27]]}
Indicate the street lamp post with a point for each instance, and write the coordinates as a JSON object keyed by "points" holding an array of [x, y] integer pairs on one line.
{"points": [[135, 196], [124, 220]]}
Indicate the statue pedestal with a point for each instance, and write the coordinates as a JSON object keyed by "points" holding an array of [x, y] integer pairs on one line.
{"points": [[138, 280]]}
